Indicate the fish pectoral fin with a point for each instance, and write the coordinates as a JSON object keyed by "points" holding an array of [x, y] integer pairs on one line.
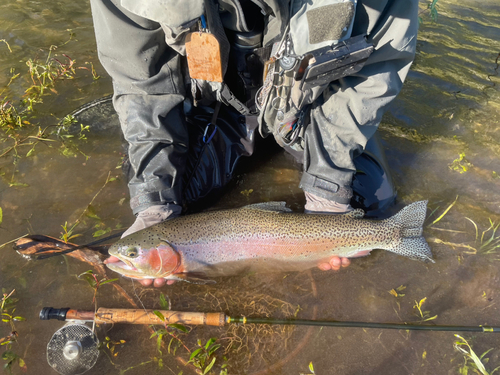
{"points": [[191, 277], [278, 207]]}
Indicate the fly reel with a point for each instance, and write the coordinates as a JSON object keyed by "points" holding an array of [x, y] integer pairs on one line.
{"points": [[73, 349]]}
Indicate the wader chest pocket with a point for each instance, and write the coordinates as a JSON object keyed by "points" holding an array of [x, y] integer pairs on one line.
{"points": [[328, 64]]}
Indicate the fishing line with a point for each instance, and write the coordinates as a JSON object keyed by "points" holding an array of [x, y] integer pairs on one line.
{"points": [[140, 301]]}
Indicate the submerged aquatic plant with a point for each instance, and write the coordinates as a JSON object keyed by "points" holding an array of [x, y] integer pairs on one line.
{"points": [[109, 345], [486, 243], [7, 43], [489, 242], [7, 311], [460, 164], [44, 74], [171, 331], [397, 292], [93, 281], [472, 361], [432, 8], [204, 357], [311, 370], [17, 115], [443, 214], [424, 316], [89, 212]]}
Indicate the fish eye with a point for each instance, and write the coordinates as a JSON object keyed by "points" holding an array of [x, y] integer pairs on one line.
{"points": [[132, 252]]}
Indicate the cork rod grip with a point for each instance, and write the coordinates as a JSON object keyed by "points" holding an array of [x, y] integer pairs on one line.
{"points": [[80, 315], [132, 316]]}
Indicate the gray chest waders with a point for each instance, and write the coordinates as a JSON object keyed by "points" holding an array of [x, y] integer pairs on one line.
{"points": [[316, 49]]}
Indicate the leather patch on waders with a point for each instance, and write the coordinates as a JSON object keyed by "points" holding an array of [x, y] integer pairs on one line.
{"points": [[203, 57]]}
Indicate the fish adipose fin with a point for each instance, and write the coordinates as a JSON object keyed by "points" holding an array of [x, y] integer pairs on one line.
{"points": [[411, 243], [278, 207]]}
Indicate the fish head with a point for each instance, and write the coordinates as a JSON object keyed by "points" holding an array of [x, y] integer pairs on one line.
{"points": [[144, 261]]}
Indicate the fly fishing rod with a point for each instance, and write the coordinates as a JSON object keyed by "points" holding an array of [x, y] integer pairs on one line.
{"points": [[74, 348], [219, 319]]}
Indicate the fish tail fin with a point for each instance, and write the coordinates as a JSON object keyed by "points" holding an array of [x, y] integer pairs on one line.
{"points": [[414, 248], [411, 243]]}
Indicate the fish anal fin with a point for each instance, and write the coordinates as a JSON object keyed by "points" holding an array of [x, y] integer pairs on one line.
{"points": [[278, 207], [191, 277]]}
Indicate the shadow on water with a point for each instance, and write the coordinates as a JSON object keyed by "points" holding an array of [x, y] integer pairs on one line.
{"points": [[450, 106]]}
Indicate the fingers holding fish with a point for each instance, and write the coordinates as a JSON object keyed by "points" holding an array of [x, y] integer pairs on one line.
{"points": [[334, 264], [158, 283]]}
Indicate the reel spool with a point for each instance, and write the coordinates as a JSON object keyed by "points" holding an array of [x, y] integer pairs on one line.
{"points": [[73, 349]]}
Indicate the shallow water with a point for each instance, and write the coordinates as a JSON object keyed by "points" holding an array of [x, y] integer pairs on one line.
{"points": [[450, 105]]}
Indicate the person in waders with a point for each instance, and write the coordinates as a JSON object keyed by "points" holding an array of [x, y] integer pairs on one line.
{"points": [[195, 80]]}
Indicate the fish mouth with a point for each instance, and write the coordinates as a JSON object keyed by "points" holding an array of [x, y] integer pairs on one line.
{"points": [[127, 269]]}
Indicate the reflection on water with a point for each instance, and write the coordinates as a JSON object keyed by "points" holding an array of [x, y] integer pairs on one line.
{"points": [[449, 106]]}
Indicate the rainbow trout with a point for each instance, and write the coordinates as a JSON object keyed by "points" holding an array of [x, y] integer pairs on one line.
{"points": [[264, 237]]}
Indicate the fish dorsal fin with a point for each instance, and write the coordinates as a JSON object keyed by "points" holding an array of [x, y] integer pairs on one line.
{"points": [[191, 277], [358, 213], [278, 207]]}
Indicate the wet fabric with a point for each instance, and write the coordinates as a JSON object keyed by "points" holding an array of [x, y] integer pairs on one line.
{"points": [[144, 58], [214, 150]]}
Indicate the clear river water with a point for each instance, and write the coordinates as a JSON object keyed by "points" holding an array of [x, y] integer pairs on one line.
{"points": [[442, 141]]}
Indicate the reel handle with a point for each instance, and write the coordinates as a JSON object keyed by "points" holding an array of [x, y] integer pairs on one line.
{"points": [[134, 316]]}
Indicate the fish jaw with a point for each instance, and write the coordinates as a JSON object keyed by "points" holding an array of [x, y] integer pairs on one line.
{"points": [[127, 270], [144, 262]]}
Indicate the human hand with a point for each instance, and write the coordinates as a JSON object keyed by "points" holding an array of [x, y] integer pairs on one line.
{"points": [[334, 264], [318, 205], [153, 215]]}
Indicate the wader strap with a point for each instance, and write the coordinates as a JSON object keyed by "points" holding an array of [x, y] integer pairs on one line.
{"points": [[227, 97], [217, 29], [206, 136]]}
